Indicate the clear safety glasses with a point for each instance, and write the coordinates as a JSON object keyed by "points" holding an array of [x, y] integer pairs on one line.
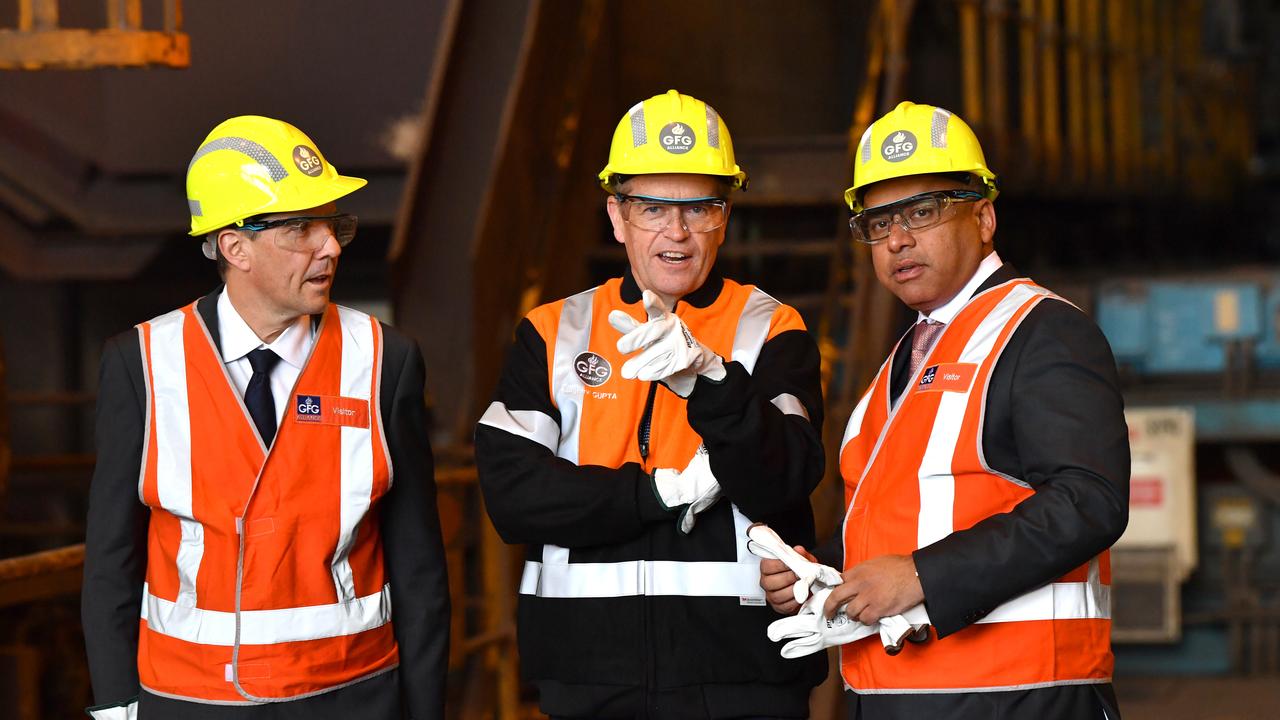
{"points": [[918, 212], [308, 233], [697, 215]]}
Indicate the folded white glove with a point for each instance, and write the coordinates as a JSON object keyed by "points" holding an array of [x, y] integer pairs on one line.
{"points": [[808, 629], [896, 630], [669, 353], [810, 632], [692, 490], [763, 542]]}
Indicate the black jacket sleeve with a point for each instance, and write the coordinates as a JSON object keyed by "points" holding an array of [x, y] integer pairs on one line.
{"points": [[1055, 419], [535, 497], [116, 538], [765, 460], [411, 537]]}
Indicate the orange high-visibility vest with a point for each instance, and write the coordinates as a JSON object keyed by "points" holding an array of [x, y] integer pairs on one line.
{"points": [[598, 427], [914, 473], [265, 576]]}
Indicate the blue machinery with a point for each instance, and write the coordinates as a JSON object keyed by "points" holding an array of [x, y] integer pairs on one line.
{"points": [[1212, 343]]}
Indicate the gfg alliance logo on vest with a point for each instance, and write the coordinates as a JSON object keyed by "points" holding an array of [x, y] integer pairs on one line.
{"points": [[592, 369], [308, 408]]}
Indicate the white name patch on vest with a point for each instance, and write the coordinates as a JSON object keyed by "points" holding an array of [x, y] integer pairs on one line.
{"points": [[331, 410], [947, 377]]}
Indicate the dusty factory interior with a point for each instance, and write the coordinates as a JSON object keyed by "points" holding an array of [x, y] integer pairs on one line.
{"points": [[1135, 149]]}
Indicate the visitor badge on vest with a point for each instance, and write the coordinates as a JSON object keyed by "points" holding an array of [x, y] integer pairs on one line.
{"points": [[947, 377], [331, 410]]}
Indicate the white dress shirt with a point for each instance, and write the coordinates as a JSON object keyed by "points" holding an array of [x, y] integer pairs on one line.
{"points": [[236, 340], [948, 312]]}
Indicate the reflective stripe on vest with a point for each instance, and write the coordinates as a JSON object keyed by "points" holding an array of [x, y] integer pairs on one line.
{"points": [[250, 550], [737, 325], [937, 430]]}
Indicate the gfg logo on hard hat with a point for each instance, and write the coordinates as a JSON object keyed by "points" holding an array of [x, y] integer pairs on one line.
{"points": [[307, 160], [677, 138], [898, 146], [592, 369]]}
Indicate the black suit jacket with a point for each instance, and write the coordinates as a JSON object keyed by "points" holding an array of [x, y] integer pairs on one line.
{"points": [[1054, 418], [116, 550]]}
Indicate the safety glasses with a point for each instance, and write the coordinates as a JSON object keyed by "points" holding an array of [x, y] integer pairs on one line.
{"points": [[697, 215], [307, 233], [918, 212]]}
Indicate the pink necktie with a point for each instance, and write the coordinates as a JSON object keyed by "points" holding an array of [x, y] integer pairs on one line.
{"points": [[926, 331]]}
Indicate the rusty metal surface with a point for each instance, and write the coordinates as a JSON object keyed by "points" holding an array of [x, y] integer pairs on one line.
{"points": [[6, 454], [39, 43]]}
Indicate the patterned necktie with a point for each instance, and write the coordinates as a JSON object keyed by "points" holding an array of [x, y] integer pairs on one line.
{"points": [[257, 396], [926, 331]]}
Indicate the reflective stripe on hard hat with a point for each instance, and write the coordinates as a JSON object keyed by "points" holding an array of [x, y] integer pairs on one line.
{"points": [[243, 146]]}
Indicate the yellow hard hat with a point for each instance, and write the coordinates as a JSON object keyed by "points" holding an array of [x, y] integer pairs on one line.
{"points": [[671, 133], [251, 165], [916, 140]]}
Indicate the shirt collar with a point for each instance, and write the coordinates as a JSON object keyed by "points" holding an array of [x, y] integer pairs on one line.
{"points": [[237, 339], [948, 312]]}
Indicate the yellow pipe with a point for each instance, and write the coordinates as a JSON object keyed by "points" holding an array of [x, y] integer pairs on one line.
{"points": [[1097, 124], [971, 63], [1027, 79], [1077, 147], [1168, 75], [1148, 117], [1119, 92], [996, 70], [1050, 116]]}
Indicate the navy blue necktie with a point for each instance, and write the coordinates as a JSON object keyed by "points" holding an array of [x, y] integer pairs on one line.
{"points": [[257, 396]]}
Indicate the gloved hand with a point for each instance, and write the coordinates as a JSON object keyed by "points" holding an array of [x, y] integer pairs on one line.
{"points": [[896, 630], [808, 629], [670, 353], [692, 490], [810, 632], [763, 542]]}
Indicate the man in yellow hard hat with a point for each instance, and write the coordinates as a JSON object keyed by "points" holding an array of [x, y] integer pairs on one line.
{"points": [[638, 429], [264, 491], [987, 466]]}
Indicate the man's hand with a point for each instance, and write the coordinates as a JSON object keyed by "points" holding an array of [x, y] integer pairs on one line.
{"points": [[689, 491], [668, 352], [778, 582], [882, 586]]}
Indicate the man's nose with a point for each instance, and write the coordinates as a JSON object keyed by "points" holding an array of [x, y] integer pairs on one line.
{"points": [[330, 247], [899, 236], [676, 229]]}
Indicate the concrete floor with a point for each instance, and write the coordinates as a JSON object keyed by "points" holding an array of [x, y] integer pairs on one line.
{"points": [[1199, 698]]}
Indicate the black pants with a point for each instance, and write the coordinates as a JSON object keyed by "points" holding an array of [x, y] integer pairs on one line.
{"points": [[1065, 702], [377, 698]]}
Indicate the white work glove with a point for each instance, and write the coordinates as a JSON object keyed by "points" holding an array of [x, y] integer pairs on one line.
{"points": [[763, 542], [669, 353], [691, 490], [896, 630], [809, 630]]}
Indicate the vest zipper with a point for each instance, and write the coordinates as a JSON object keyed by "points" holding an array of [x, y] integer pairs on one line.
{"points": [[643, 434]]}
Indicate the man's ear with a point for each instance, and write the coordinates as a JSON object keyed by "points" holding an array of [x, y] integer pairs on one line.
{"points": [[234, 246], [614, 208], [986, 215]]}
